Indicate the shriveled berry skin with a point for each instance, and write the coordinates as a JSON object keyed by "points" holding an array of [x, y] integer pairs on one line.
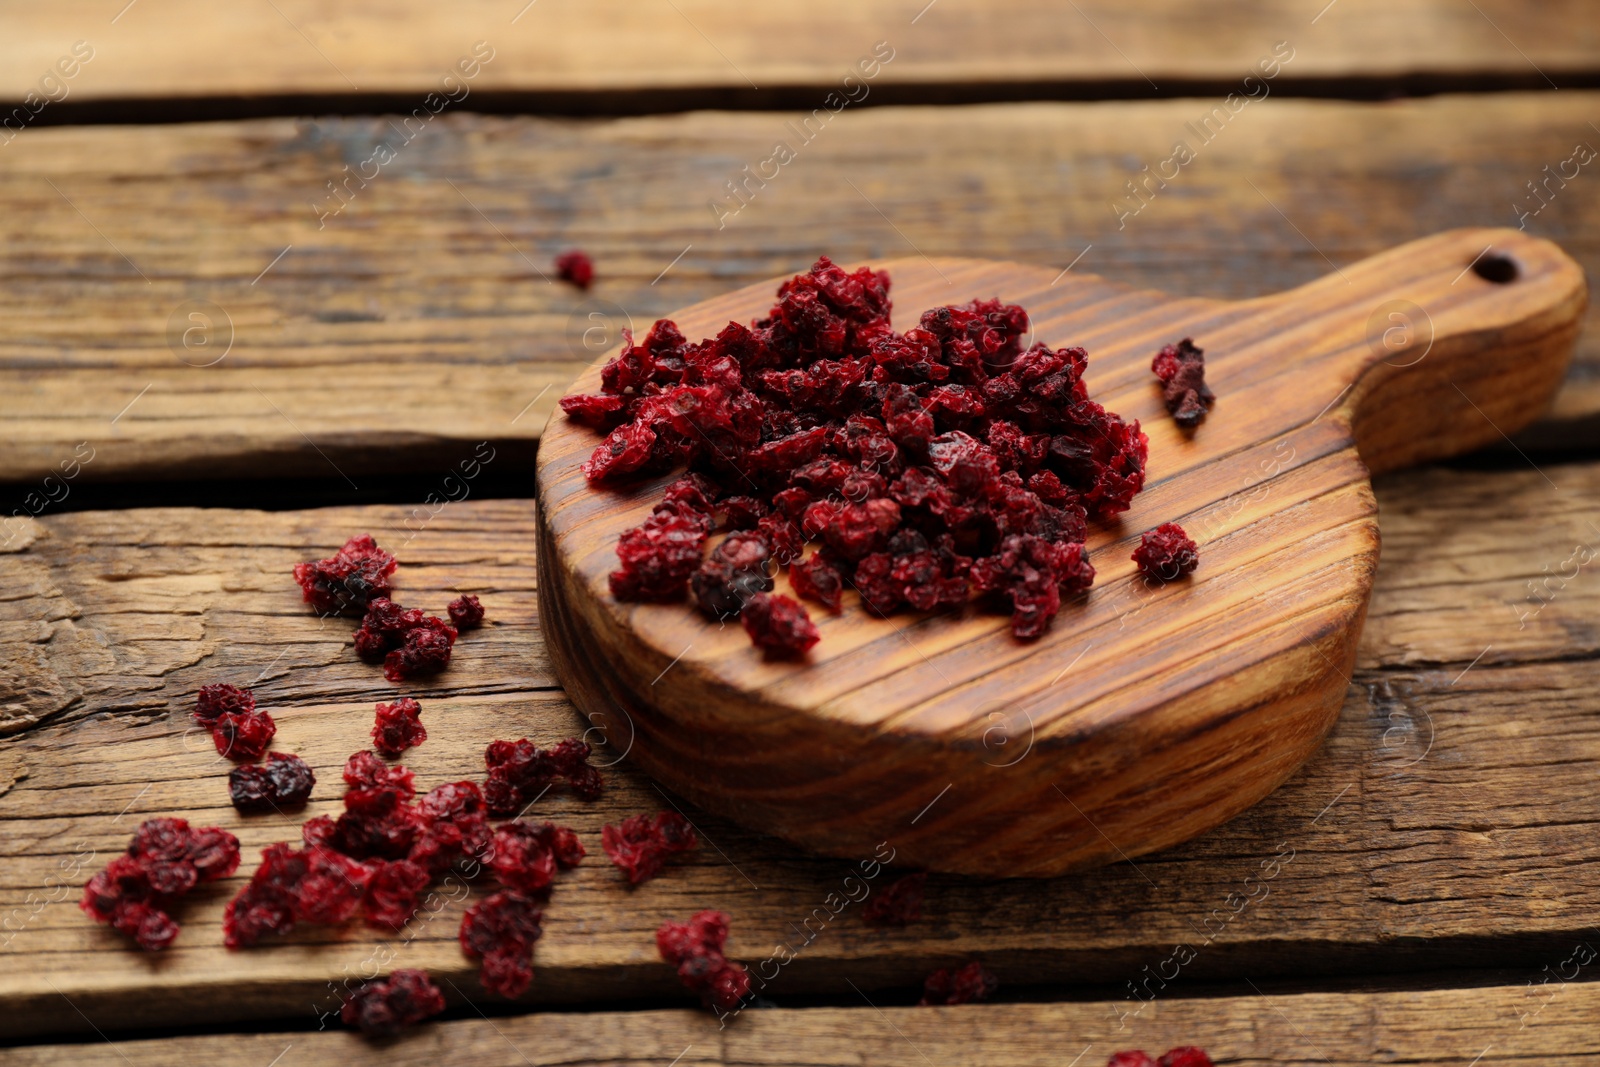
{"points": [[394, 892], [525, 856], [965, 985], [642, 844], [165, 860], [343, 583], [454, 826], [426, 652], [897, 904], [314, 885], [519, 771], [243, 737], [387, 1006], [778, 625], [213, 700], [1184, 1056], [501, 931], [466, 612], [1182, 371], [1131, 1058], [695, 949], [1166, 553], [398, 727], [575, 267], [283, 783]]}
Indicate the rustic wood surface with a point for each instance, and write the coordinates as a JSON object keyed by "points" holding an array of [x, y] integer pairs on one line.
{"points": [[1496, 1026], [416, 323], [557, 50], [949, 737], [1447, 821]]}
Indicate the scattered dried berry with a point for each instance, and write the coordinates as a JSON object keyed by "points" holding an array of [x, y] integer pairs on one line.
{"points": [[406, 641], [243, 736], [524, 857], [898, 903], [344, 582], [394, 892], [519, 771], [426, 652], [501, 931], [1186, 1056], [575, 267], [1131, 1058], [1166, 553], [316, 885], [778, 625], [695, 949], [964, 986], [398, 727], [917, 459], [454, 826], [642, 844], [282, 783], [165, 859], [219, 698], [384, 1007], [466, 612], [1182, 370]]}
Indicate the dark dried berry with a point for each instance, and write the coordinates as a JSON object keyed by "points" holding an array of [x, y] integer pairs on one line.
{"points": [[1182, 370], [695, 949], [394, 892], [243, 737], [166, 858], [520, 771], [524, 857], [454, 826], [501, 931], [1131, 1058], [466, 612], [1184, 1056], [387, 1006], [965, 985], [1166, 553], [214, 700], [398, 727], [778, 625], [283, 783], [314, 885], [658, 558], [345, 581], [817, 578], [642, 844], [425, 652], [575, 267], [898, 903]]}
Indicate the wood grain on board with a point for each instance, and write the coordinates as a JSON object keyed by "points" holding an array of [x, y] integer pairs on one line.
{"points": [[1447, 821], [565, 49], [174, 305], [1494, 1026]]}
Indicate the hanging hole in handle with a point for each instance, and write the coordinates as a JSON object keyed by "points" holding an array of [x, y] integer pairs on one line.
{"points": [[1495, 267]]}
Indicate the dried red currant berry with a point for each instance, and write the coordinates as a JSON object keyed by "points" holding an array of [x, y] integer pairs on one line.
{"points": [[898, 903], [575, 267], [426, 652], [970, 983], [642, 845], [658, 558], [520, 771], [454, 826], [385, 1007], [377, 824], [817, 578], [394, 892], [1131, 1058], [345, 581], [695, 949], [501, 931], [318, 832], [524, 857], [214, 700], [364, 770], [283, 783], [121, 896], [165, 859], [1182, 370], [243, 737], [1184, 1056], [1166, 553], [398, 727], [466, 612], [778, 625], [735, 572]]}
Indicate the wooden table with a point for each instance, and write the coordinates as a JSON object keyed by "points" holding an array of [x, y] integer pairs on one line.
{"points": [[1435, 884]]}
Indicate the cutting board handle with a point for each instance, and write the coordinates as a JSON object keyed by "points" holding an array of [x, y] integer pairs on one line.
{"points": [[1441, 345]]}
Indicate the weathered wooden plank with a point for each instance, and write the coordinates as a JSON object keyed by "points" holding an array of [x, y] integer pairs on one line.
{"points": [[1447, 821], [566, 48], [1551, 1022], [416, 323]]}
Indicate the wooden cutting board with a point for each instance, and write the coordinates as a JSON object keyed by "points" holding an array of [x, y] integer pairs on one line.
{"points": [[1146, 715]]}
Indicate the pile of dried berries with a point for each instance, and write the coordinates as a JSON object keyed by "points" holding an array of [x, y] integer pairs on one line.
{"points": [[1182, 370], [641, 846], [240, 731], [165, 860], [406, 641], [695, 948], [282, 783], [898, 903], [1186, 1056], [929, 464], [520, 772], [971, 983], [343, 583], [384, 1007], [575, 267], [501, 930], [398, 726], [1166, 553]]}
